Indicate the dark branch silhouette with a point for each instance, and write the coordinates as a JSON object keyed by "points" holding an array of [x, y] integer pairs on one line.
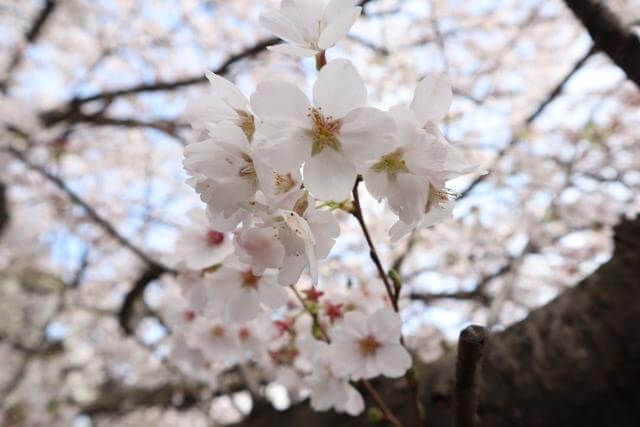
{"points": [[610, 35]]}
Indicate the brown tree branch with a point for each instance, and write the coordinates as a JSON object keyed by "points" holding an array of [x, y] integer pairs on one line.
{"points": [[610, 35], [128, 308], [552, 96], [71, 110], [90, 211], [31, 36], [470, 352], [4, 207]]}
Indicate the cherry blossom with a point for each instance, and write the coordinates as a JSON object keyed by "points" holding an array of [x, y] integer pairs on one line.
{"points": [[399, 176], [412, 176], [225, 170], [367, 346], [311, 26], [304, 230], [328, 390], [224, 104], [215, 339], [240, 295], [199, 245], [333, 137]]}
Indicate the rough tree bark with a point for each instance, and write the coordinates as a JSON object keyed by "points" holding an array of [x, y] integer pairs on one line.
{"points": [[573, 362]]}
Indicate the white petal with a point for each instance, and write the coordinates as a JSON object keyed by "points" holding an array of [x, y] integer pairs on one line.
{"points": [[281, 26], [258, 246], [425, 155], [272, 295], [432, 98], [437, 214], [290, 49], [393, 360], [227, 91], [335, 8], [306, 14], [286, 147], [301, 228], [220, 223], [377, 183], [280, 100], [366, 134], [202, 259], [323, 396], [291, 269], [346, 359], [329, 175], [355, 403], [244, 306], [386, 325], [399, 230], [231, 195], [339, 89], [325, 229], [338, 28], [407, 197], [355, 325]]}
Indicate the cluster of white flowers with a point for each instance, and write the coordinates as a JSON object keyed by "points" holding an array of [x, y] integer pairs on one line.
{"points": [[269, 168]]}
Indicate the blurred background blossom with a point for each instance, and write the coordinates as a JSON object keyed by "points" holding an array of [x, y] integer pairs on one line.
{"points": [[92, 133]]}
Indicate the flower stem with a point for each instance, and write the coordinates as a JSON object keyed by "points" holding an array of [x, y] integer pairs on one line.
{"points": [[357, 212], [388, 415], [313, 315], [410, 376], [321, 60]]}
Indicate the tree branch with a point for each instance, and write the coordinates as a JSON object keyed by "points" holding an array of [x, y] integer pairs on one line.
{"points": [[91, 212], [128, 307], [4, 207], [471, 347], [68, 111], [31, 36], [610, 35], [553, 94]]}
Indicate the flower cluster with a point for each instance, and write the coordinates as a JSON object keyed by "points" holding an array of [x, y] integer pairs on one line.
{"points": [[269, 168]]}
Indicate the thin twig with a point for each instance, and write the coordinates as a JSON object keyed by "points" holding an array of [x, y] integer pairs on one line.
{"points": [[388, 415], [393, 296], [313, 314], [553, 94], [91, 212], [31, 36], [357, 212]]}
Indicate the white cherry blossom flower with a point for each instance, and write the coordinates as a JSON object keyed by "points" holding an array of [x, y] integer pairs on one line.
{"points": [[192, 361], [215, 339], [438, 207], [224, 104], [399, 176], [307, 235], [293, 235], [328, 390], [241, 295], [259, 247], [431, 101], [227, 174], [413, 176], [367, 346], [199, 245], [333, 138], [311, 26]]}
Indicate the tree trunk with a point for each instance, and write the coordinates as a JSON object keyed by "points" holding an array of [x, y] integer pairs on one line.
{"points": [[573, 362]]}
